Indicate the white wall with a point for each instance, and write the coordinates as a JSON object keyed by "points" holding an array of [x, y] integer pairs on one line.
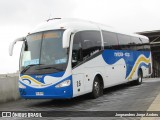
{"points": [[8, 88]]}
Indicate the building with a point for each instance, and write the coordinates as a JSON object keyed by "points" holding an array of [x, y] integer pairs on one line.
{"points": [[154, 38]]}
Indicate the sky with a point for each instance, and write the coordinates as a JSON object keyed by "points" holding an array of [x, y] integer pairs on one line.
{"points": [[19, 17]]}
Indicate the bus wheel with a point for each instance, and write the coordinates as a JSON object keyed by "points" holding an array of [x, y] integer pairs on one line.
{"points": [[97, 88], [139, 79]]}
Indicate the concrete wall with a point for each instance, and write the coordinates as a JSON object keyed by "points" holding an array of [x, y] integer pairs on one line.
{"points": [[8, 88]]}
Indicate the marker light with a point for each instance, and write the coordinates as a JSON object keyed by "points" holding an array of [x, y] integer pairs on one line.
{"points": [[63, 84], [22, 86]]}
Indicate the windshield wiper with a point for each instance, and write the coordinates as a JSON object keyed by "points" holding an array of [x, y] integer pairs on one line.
{"points": [[28, 66], [50, 67]]}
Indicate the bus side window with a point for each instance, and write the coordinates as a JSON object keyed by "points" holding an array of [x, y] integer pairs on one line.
{"points": [[85, 44], [91, 43], [76, 53], [76, 50], [125, 42], [110, 40], [138, 43]]}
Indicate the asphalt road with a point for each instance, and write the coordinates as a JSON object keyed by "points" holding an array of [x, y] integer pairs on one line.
{"points": [[126, 97]]}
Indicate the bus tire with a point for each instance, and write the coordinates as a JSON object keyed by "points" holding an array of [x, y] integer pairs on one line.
{"points": [[140, 77], [97, 88]]}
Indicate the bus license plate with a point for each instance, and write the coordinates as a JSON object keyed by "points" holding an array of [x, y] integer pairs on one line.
{"points": [[39, 93]]}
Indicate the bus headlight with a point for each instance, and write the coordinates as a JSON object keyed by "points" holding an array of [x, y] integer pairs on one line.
{"points": [[63, 84], [22, 86]]}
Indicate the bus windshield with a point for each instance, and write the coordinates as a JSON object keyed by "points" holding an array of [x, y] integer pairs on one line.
{"points": [[43, 51]]}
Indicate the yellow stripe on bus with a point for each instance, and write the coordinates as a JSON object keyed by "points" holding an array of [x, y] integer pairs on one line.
{"points": [[31, 79], [141, 59]]}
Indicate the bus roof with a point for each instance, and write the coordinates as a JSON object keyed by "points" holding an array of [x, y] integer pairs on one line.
{"points": [[77, 25], [65, 23]]}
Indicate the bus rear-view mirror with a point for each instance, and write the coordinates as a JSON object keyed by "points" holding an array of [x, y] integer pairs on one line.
{"points": [[13, 43]]}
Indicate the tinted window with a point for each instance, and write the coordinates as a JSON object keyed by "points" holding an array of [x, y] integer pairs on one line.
{"points": [[91, 43], [85, 44], [137, 42], [110, 40], [77, 50], [124, 41]]}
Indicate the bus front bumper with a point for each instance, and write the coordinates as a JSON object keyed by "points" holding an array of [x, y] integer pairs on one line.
{"points": [[46, 93]]}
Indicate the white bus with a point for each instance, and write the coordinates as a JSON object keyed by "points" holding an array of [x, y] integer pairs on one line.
{"points": [[65, 58]]}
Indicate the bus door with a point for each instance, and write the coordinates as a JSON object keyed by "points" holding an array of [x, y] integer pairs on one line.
{"points": [[77, 69]]}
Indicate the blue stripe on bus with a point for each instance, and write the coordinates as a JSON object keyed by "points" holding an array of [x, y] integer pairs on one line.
{"points": [[130, 58], [49, 92]]}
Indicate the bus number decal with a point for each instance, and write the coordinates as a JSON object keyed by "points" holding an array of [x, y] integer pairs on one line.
{"points": [[118, 54], [78, 83], [121, 54]]}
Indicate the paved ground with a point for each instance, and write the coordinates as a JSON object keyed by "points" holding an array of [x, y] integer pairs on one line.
{"points": [[124, 97]]}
